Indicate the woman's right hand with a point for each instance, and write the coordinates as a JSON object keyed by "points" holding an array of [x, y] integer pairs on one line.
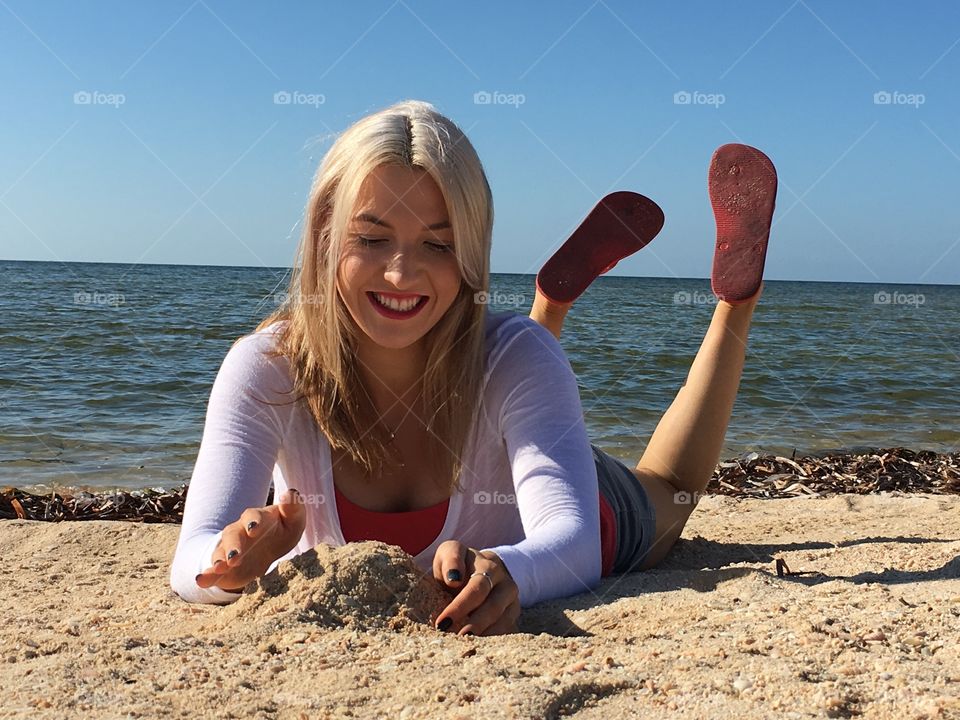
{"points": [[249, 545]]}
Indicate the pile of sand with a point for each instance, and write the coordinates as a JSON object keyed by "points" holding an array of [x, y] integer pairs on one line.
{"points": [[361, 586], [871, 628]]}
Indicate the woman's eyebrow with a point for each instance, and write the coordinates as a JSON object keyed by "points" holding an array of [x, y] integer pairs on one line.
{"points": [[367, 217]]}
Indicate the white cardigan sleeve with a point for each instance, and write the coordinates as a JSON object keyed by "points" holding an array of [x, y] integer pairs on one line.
{"points": [[242, 437], [554, 475]]}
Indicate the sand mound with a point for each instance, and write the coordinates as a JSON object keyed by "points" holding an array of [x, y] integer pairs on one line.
{"points": [[360, 585]]}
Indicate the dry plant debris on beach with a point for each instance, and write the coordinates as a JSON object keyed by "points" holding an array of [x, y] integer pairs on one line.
{"points": [[751, 476]]}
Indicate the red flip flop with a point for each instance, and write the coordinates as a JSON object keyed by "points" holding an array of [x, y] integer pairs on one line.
{"points": [[619, 225], [743, 192]]}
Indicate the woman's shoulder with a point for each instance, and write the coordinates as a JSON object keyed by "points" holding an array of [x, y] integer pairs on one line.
{"points": [[508, 328], [265, 338], [510, 334], [255, 357]]}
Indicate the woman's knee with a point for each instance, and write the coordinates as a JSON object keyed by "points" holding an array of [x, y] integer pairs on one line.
{"points": [[671, 508]]}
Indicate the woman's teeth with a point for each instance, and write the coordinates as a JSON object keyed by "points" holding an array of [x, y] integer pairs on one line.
{"points": [[398, 305]]}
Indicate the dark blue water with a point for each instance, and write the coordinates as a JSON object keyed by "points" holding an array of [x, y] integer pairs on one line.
{"points": [[105, 369]]}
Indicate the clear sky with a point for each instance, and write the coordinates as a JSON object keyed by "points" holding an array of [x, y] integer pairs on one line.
{"points": [[154, 132]]}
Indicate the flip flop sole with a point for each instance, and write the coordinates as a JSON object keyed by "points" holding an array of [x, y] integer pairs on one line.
{"points": [[743, 192], [619, 225]]}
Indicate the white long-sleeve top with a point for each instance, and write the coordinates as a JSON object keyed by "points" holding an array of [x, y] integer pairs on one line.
{"points": [[529, 479]]}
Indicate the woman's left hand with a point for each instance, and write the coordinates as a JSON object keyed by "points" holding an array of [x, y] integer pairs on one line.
{"points": [[484, 604]]}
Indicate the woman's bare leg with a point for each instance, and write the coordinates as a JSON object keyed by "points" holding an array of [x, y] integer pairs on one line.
{"points": [[549, 314], [685, 447]]}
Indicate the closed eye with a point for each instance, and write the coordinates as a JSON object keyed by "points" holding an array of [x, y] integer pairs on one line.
{"points": [[437, 247]]}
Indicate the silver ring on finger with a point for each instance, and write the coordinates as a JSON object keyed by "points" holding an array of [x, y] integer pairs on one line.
{"points": [[487, 575]]}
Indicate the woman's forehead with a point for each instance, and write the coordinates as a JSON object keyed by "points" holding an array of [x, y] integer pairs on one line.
{"points": [[401, 193]]}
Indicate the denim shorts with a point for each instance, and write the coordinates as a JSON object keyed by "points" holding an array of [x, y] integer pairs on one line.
{"points": [[634, 513]]}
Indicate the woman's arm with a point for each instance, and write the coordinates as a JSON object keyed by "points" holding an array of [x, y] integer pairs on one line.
{"points": [[241, 440], [541, 422]]}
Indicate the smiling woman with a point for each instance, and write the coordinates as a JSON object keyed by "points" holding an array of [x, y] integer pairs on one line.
{"points": [[402, 410]]}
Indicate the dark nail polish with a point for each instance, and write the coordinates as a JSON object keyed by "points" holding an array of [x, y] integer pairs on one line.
{"points": [[453, 575], [252, 524], [232, 554], [197, 578], [218, 563], [294, 490], [445, 624]]}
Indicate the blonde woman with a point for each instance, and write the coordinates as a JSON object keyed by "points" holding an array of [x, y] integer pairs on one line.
{"points": [[385, 401]]}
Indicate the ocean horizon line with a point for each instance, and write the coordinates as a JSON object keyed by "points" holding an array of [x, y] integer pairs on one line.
{"points": [[518, 274]]}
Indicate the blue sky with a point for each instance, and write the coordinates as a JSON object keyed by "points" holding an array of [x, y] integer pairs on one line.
{"points": [[175, 150]]}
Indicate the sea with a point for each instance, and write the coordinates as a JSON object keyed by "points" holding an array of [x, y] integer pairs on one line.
{"points": [[105, 369]]}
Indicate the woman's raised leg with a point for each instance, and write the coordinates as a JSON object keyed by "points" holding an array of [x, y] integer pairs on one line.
{"points": [[685, 447], [548, 313]]}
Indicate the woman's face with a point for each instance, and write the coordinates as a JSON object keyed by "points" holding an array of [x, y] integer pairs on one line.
{"points": [[397, 273]]}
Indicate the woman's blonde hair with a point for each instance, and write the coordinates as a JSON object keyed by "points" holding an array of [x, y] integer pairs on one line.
{"points": [[318, 334]]}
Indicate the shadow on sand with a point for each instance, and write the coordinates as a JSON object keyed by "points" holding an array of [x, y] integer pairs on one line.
{"points": [[702, 565]]}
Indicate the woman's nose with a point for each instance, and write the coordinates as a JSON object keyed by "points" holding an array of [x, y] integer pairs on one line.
{"points": [[402, 268]]}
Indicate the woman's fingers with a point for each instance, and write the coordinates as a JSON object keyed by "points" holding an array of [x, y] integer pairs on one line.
{"points": [[235, 544], [292, 513], [252, 519], [486, 599], [506, 623], [450, 564], [290, 516], [495, 602], [218, 566], [256, 539], [474, 591], [236, 541]]}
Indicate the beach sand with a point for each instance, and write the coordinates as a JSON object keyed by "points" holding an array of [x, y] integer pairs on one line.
{"points": [[93, 629]]}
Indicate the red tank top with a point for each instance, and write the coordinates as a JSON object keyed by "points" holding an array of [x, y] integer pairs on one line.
{"points": [[415, 530]]}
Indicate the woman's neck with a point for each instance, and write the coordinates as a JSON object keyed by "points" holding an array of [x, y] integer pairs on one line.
{"points": [[392, 377]]}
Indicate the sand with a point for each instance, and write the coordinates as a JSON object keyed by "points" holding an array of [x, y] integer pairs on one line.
{"points": [[93, 629]]}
